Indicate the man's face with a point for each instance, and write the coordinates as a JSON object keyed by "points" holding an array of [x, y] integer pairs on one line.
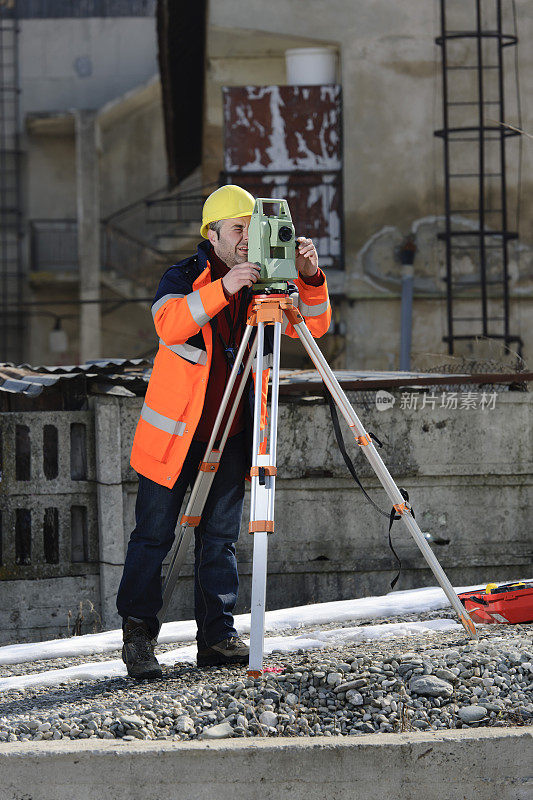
{"points": [[231, 244]]}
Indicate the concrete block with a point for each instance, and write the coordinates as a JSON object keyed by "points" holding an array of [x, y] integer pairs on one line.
{"points": [[488, 763], [38, 610], [110, 508]]}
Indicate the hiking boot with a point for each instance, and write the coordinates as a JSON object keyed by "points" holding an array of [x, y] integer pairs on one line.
{"points": [[138, 651], [228, 651]]}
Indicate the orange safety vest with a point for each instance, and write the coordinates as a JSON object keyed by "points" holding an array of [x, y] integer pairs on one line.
{"points": [[176, 390]]}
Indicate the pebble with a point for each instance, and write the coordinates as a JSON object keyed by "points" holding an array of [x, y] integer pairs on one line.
{"points": [[269, 719], [391, 685], [222, 731], [430, 686], [184, 724], [472, 713]]}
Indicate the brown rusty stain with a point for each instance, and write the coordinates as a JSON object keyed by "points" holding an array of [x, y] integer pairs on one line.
{"points": [[285, 141]]}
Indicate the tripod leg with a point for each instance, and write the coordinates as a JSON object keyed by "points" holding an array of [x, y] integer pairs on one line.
{"points": [[365, 441], [206, 475], [262, 498]]}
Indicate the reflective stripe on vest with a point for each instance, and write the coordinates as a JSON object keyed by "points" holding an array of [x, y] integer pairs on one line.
{"points": [[161, 302], [312, 311], [166, 424], [196, 307], [192, 354], [268, 363]]}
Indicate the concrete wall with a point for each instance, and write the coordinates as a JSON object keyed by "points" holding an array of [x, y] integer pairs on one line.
{"points": [[83, 63], [459, 765], [133, 156], [468, 472]]}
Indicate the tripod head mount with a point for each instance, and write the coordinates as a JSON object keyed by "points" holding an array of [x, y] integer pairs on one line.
{"points": [[272, 245]]}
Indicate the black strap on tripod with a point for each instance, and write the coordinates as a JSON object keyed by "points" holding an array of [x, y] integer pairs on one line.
{"points": [[346, 457], [392, 516]]}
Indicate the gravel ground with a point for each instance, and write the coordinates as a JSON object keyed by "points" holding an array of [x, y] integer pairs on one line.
{"points": [[414, 683]]}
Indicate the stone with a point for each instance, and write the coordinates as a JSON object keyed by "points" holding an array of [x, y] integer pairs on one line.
{"points": [[354, 698], [430, 686], [184, 724], [272, 694], [471, 714], [345, 687], [221, 731], [269, 719], [445, 674], [131, 720]]}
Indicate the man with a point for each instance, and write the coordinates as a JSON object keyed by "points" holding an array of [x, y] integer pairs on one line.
{"points": [[199, 314]]}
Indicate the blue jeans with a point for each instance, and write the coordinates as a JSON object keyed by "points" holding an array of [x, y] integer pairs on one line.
{"points": [[216, 580]]}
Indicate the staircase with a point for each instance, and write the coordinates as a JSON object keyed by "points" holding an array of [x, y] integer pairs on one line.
{"points": [[142, 240]]}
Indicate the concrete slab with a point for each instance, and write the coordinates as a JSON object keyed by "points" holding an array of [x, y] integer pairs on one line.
{"points": [[493, 764]]}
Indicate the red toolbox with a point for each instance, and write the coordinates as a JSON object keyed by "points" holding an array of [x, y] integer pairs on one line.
{"points": [[507, 603]]}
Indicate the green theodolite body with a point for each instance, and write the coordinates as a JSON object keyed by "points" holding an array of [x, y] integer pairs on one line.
{"points": [[272, 245]]}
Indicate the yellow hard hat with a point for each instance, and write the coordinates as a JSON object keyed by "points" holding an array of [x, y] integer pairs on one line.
{"points": [[225, 203]]}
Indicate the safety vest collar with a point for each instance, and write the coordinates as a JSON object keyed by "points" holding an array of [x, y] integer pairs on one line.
{"points": [[203, 278]]}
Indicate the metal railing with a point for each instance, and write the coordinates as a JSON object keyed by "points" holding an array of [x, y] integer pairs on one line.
{"points": [[54, 245]]}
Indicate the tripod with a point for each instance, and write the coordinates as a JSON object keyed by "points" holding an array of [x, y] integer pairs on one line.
{"points": [[270, 309]]}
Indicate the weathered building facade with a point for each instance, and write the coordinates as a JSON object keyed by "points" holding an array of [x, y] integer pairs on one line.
{"points": [[103, 59]]}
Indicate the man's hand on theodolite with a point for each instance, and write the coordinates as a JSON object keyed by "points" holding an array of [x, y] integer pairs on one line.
{"points": [[247, 274], [306, 257], [240, 275]]}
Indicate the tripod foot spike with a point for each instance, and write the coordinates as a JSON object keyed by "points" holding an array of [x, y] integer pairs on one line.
{"points": [[469, 626]]}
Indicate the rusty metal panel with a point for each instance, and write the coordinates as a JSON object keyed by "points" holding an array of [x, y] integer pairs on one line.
{"points": [[282, 128], [285, 141]]}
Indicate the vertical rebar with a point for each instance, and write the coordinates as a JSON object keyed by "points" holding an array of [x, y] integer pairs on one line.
{"points": [[481, 162], [503, 184], [447, 222]]}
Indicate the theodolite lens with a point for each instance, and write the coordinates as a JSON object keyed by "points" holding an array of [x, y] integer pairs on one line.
{"points": [[285, 234]]}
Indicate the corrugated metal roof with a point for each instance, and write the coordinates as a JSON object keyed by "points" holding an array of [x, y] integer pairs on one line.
{"points": [[306, 381], [94, 366], [132, 375]]}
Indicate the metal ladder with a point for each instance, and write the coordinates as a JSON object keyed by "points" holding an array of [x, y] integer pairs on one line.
{"points": [[475, 187], [11, 270]]}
